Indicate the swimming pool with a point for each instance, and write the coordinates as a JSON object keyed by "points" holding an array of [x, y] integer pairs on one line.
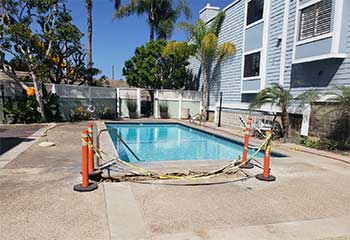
{"points": [[171, 142]]}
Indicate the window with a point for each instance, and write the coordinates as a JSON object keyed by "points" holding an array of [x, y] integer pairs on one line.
{"points": [[252, 65], [255, 11], [248, 97], [315, 20]]}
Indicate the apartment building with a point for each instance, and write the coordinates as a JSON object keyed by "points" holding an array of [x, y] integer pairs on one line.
{"points": [[301, 44]]}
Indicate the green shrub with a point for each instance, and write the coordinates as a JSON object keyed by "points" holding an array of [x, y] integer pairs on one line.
{"points": [[321, 144], [107, 113], [132, 105], [22, 110], [163, 107], [52, 108], [80, 114]]}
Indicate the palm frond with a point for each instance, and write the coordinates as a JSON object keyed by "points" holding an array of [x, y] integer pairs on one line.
{"points": [[165, 28], [117, 4], [195, 32], [226, 49], [124, 11], [208, 49], [275, 95], [183, 7], [188, 28], [174, 48], [216, 24], [308, 97]]}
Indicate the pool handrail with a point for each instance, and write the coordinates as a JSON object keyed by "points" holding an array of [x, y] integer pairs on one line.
{"points": [[126, 145]]}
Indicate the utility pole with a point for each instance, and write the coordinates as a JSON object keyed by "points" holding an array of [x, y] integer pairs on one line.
{"points": [[112, 71]]}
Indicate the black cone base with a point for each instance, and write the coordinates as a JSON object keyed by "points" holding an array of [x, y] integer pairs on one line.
{"points": [[95, 176], [269, 178], [245, 166], [80, 188]]}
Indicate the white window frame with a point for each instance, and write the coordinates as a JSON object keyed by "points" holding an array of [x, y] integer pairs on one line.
{"points": [[336, 24], [298, 24], [257, 21], [260, 63], [300, 8]]}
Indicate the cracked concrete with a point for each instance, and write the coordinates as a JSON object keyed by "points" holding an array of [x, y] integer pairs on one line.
{"points": [[309, 200]]}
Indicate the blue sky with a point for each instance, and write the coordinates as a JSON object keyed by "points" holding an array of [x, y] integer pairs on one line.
{"points": [[115, 41]]}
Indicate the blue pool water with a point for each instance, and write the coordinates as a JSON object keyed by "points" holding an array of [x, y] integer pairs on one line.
{"points": [[169, 142]]}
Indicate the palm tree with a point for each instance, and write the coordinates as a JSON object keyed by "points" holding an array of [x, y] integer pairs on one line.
{"points": [[162, 14], [207, 50], [168, 15], [275, 95], [88, 5]]}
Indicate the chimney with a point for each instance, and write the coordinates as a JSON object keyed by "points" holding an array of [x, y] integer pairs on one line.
{"points": [[208, 13]]}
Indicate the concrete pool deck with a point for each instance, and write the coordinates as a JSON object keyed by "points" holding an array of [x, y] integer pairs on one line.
{"points": [[309, 200]]}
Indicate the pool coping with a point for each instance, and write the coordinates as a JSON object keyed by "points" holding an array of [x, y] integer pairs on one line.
{"points": [[108, 146]]}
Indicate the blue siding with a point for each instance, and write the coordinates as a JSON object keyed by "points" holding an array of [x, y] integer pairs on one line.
{"points": [[322, 75], [274, 45], [345, 27], [339, 77], [313, 49], [227, 77], [290, 43]]}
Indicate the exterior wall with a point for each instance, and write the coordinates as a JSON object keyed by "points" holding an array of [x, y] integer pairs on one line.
{"points": [[227, 76], [345, 26], [330, 73], [319, 63], [208, 13], [321, 74], [291, 28], [325, 122], [275, 42], [313, 49], [231, 118], [323, 46]]}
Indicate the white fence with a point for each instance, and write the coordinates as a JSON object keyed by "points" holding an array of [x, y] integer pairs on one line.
{"points": [[72, 96], [125, 95], [176, 100]]}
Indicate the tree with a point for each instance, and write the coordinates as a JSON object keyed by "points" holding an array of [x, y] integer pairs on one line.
{"points": [[19, 40], [208, 51], [162, 14], [102, 81], [168, 15], [66, 60], [18, 65], [88, 5], [51, 51], [174, 65], [275, 95], [149, 68]]}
